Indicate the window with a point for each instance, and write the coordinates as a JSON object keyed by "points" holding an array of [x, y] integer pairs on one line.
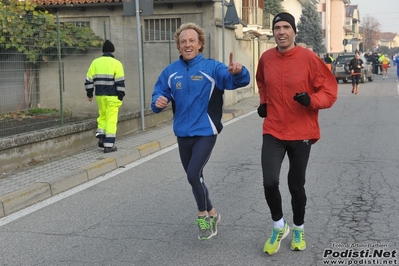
{"points": [[160, 29], [79, 24], [82, 24]]}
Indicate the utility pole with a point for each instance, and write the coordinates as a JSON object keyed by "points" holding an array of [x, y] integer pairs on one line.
{"points": [[131, 9], [140, 62]]}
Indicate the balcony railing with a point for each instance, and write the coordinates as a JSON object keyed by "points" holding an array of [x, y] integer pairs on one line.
{"points": [[252, 15]]}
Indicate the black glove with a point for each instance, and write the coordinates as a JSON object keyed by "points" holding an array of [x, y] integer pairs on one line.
{"points": [[302, 98], [262, 111], [89, 93], [120, 94]]}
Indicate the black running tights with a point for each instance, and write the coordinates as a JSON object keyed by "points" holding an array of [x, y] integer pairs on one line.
{"points": [[273, 152], [194, 154]]}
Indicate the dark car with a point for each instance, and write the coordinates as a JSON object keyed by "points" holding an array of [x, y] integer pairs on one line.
{"points": [[341, 68]]}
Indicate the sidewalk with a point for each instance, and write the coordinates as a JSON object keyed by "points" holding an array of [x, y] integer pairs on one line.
{"points": [[37, 183]]}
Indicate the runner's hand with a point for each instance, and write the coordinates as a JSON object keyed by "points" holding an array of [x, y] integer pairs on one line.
{"points": [[234, 67], [161, 102], [302, 98], [262, 110]]}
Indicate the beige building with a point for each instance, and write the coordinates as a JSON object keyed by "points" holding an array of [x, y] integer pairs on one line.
{"points": [[389, 39], [352, 25], [333, 17], [108, 20], [332, 14]]}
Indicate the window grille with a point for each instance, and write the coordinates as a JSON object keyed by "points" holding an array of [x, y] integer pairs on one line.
{"points": [[79, 24], [160, 29]]}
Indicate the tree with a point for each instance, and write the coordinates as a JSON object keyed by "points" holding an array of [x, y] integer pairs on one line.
{"points": [[370, 29], [271, 8], [384, 49], [34, 34], [309, 28]]}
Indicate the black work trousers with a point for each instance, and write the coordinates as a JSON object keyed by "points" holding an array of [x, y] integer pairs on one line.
{"points": [[273, 152]]}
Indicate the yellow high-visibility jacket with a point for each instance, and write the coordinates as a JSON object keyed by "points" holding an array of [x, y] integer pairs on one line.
{"points": [[106, 76]]}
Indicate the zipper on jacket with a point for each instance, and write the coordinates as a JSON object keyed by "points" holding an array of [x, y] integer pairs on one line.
{"points": [[188, 97], [285, 93]]}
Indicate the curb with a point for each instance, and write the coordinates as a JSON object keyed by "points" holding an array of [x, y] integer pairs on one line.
{"points": [[39, 191]]}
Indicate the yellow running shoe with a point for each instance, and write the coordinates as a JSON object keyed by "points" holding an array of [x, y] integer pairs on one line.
{"points": [[298, 239], [272, 244]]}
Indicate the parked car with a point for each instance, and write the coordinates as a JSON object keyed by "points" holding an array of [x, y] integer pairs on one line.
{"points": [[341, 68]]}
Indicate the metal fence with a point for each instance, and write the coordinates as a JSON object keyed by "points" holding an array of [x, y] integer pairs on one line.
{"points": [[50, 92]]}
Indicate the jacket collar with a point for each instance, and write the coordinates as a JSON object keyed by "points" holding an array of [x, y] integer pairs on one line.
{"points": [[287, 53], [108, 54], [192, 61]]}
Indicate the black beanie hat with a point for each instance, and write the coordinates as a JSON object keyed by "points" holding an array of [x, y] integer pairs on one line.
{"points": [[108, 47], [285, 17]]}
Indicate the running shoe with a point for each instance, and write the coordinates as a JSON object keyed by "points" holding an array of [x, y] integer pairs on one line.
{"points": [[205, 231], [214, 221], [272, 244], [298, 239]]}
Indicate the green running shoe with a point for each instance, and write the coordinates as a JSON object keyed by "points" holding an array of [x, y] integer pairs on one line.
{"points": [[214, 221], [272, 244], [298, 239], [205, 231]]}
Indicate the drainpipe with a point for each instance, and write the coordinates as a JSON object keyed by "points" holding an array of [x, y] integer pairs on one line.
{"points": [[328, 27], [255, 56], [223, 30]]}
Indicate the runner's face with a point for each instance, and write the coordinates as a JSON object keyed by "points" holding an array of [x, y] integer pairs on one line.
{"points": [[284, 36], [189, 44]]}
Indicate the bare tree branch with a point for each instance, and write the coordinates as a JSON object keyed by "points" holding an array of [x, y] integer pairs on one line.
{"points": [[370, 29]]}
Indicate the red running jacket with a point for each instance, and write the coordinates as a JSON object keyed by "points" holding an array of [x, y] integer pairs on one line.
{"points": [[279, 76]]}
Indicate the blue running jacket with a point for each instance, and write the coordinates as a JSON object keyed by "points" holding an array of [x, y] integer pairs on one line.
{"points": [[196, 89]]}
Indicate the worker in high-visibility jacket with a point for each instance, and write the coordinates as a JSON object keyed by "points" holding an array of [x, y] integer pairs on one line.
{"points": [[106, 78]]}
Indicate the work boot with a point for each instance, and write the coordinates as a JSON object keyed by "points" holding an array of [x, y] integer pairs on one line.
{"points": [[110, 149], [101, 142], [101, 138]]}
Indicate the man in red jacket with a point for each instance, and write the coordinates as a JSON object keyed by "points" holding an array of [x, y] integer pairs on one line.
{"points": [[293, 85]]}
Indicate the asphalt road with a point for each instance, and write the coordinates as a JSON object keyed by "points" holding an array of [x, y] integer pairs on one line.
{"points": [[144, 214]]}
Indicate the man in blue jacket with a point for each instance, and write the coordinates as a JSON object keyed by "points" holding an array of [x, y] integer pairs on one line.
{"points": [[195, 86]]}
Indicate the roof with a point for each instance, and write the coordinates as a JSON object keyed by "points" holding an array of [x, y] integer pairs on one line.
{"points": [[388, 36], [69, 2], [79, 2]]}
